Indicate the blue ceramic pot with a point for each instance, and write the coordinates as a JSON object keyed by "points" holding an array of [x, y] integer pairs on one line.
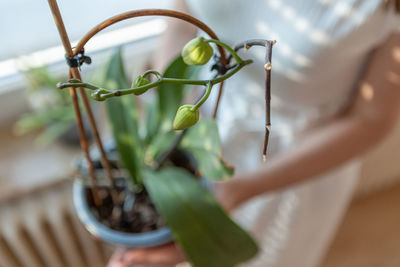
{"points": [[130, 240]]}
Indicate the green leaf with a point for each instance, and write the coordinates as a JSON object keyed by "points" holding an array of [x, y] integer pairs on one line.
{"points": [[152, 121], [202, 140], [44, 118], [159, 144], [211, 166], [170, 95], [123, 117], [38, 77], [205, 232]]}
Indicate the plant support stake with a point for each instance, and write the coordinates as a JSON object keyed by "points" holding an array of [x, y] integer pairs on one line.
{"points": [[74, 73]]}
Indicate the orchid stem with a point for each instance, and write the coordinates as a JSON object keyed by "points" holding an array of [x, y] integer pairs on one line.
{"points": [[203, 98], [101, 94]]}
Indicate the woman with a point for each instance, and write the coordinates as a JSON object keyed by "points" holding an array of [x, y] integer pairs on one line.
{"points": [[332, 100]]}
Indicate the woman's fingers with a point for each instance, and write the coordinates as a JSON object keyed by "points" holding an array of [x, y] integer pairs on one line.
{"points": [[163, 256]]}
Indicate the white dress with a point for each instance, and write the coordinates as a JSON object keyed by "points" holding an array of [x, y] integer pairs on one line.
{"points": [[321, 50]]}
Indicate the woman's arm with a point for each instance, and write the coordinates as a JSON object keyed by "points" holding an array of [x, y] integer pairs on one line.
{"points": [[372, 116]]}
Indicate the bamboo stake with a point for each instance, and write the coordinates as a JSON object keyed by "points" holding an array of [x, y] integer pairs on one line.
{"points": [[104, 160], [83, 139]]}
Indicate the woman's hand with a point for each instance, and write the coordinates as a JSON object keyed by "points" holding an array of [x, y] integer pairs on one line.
{"points": [[163, 256]]}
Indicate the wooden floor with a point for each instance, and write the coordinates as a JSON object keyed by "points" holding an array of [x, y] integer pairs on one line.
{"points": [[370, 233]]}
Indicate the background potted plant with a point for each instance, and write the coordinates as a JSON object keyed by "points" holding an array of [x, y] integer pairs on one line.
{"points": [[51, 111]]}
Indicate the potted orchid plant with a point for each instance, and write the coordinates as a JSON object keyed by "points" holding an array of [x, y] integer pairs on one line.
{"points": [[162, 157]]}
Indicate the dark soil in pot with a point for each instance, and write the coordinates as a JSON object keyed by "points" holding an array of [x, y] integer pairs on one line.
{"points": [[133, 212]]}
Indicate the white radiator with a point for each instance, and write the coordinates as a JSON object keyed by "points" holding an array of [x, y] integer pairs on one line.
{"points": [[41, 229]]}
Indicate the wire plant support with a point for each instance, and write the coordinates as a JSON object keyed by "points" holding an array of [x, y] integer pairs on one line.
{"points": [[75, 58]]}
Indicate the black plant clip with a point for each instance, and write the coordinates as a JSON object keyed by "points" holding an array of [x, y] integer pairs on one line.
{"points": [[221, 69], [78, 60]]}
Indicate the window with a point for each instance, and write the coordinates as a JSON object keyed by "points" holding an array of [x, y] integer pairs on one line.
{"points": [[31, 37]]}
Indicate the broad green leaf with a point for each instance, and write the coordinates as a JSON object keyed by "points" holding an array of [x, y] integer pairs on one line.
{"points": [[202, 140], [170, 95], [211, 166], [152, 121], [123, 117], [205, 232], [159, 144]]}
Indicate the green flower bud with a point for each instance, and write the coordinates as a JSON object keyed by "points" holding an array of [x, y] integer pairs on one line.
{"points": [[185, 117], [197, 52], [140, 81]]}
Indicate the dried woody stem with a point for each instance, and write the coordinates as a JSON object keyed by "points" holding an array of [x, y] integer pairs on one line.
{"points": [[268, 66]]}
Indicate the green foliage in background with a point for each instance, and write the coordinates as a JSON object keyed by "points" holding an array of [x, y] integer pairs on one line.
{"points": [[51, 108]]}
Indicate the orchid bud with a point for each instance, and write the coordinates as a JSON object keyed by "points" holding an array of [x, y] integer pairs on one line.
{"points": [[197, 52], [140, 81], [185, 117]]}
